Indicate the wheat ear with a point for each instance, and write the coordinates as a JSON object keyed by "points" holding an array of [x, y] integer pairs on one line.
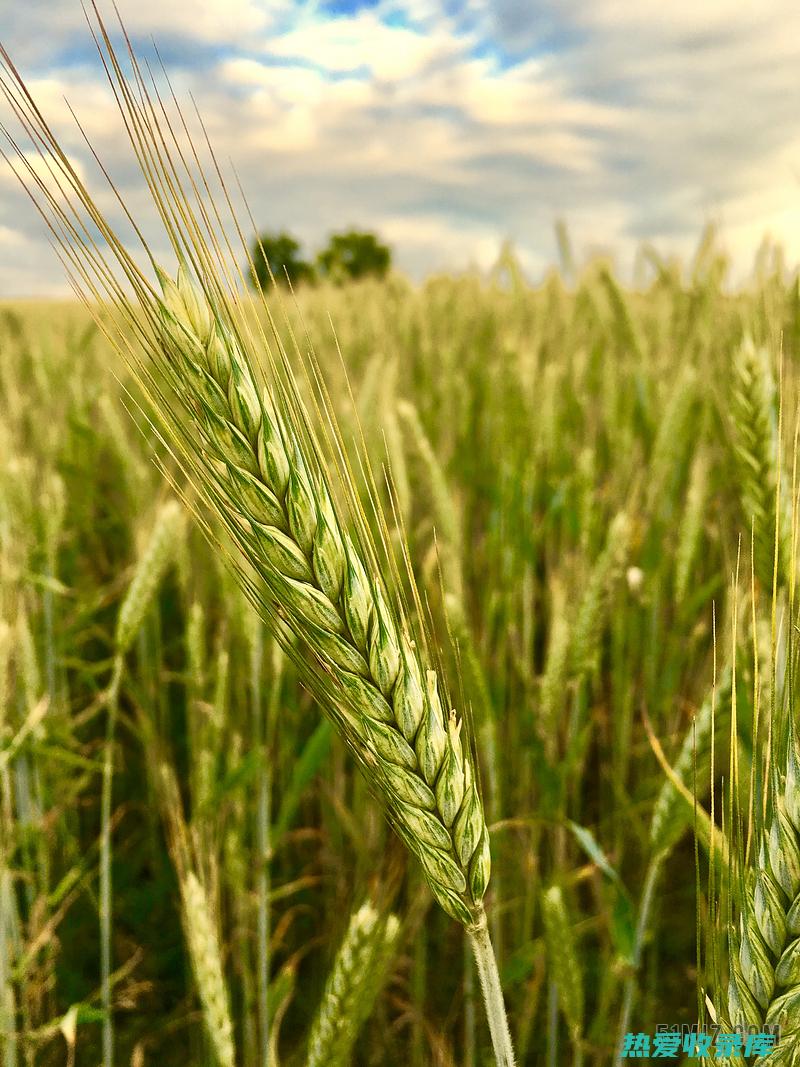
{"points": [[356, 979], [204, 950], [764, 983], [592, 612], [564, 965], [756, 447], [198, 915], [387, 706]]}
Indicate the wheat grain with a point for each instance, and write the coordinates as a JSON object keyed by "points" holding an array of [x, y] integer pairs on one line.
{"points": [[553, 690], [610, 565], [150, 569], [673, 438], [206, 959], [388, 708], [563, 958], [691, 526], [446, 516], [764, 984], [756, 448], [356, 979]]}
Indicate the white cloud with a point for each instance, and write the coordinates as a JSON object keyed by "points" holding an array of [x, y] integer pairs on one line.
{"points": [[11, 238], [390, 52], [208, 20], [35, 29]]}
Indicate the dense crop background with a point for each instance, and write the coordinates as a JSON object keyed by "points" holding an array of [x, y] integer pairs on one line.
{"points": [[567, 463]]}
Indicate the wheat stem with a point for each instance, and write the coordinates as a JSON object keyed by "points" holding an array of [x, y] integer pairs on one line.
{"points": [[642, 927], [492, 991], [144, 584], [112, 701]]}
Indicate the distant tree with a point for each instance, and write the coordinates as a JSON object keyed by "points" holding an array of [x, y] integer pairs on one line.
{"points": [[354, 255], [280, 254]]}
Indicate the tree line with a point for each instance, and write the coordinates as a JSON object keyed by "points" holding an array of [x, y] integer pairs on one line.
{"points": [[349, 255]]}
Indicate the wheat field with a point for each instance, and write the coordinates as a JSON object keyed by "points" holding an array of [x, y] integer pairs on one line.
{"points": [[587, 475]]}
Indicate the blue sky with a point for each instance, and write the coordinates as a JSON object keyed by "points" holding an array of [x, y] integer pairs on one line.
{"points": [[450, 126]]}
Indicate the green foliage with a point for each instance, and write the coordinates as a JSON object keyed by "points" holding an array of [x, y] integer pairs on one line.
{"points": [[349, 255], [276, 259], [354, 254]]}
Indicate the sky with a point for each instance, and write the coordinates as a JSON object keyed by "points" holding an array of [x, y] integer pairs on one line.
{"points": [[448, 126]]}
